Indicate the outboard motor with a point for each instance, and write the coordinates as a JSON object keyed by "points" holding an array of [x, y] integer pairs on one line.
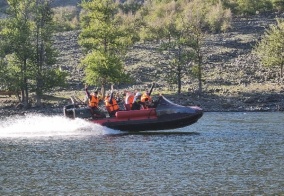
{"points": [[82, 113], [68, 111], [74, 111]]}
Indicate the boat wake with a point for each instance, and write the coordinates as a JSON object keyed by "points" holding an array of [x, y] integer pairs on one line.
{"points": [[34, 125]]}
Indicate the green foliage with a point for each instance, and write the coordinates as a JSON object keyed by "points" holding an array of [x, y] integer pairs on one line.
{"points": [[16, 33], [250, 7], [100, 67], [53, 78], [209, 16], [271, 47], [163, 23], [218, 18], [9, 72], [160, 20], [44, 53], [106, 35], [17, 29], [180, 26], [195, 70], [130, 6], [27, 48], [66, 18], [278, 5], [247, 6]]}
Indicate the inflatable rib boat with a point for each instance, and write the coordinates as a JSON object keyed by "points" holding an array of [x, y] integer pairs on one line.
{"points": [[165, 115]]}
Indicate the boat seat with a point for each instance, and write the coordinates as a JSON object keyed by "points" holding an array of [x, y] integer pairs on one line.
{"points": [[134, 114]]}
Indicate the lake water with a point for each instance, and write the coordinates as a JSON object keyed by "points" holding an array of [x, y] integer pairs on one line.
{"points": [[222, 154]]}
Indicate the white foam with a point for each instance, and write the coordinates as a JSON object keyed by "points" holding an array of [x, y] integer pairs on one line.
{"points": [[34, 125]]}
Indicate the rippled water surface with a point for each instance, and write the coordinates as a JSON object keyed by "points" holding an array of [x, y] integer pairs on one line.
{"points": [[222, 154]]}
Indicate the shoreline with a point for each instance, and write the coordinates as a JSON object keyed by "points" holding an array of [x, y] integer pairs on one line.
{"points": [[6, 113], [208, 104]]}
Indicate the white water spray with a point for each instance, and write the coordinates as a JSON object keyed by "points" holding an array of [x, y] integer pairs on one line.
{"points": [[34, 125]]}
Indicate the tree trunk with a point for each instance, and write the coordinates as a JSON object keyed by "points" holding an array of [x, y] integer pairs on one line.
{"points": [[179, 75], [103, 92], [38, 91], [179, 79], [24, 85], [281, 71], [199, 73], [26, 100], [22, 95]]}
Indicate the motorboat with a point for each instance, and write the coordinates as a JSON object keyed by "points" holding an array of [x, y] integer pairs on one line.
{"points": [[164, 115]]}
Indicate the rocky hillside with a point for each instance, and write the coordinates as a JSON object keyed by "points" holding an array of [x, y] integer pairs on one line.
{"points": [[233, 77]]}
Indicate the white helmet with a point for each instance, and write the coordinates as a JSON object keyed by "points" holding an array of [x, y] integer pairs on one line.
{"points": [[138, 94]]}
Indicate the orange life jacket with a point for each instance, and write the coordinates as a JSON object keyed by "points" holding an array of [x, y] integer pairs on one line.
{"points": [[111, 107], [129, 99], [144, 97], [93, 101]]}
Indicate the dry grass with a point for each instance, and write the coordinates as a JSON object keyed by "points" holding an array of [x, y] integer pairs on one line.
{"points": [[66, 18]]}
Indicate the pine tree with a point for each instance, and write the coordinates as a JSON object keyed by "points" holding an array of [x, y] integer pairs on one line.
{"points": [[180, 26], [270, 48], [105, 38], [27, 48], [45, 76], [17, 35]]}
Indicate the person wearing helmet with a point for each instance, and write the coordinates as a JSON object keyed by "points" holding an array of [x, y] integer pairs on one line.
{"points": [[137, 104]]}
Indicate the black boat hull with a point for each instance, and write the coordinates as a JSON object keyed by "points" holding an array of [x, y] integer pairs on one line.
{"points": [[165, 122]]}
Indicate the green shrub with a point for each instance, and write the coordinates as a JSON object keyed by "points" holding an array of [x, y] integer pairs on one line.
{"points": [[278, 5], [250, 7], [66, 18], [218, 18]]}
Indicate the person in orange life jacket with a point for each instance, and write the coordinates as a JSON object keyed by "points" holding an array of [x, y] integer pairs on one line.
{"points": [[146, 100], [111, 105], [94, 100], [128, 99], [137, 104]]}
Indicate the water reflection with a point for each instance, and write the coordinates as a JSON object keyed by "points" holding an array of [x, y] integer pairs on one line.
{"points": [[153, 133]]}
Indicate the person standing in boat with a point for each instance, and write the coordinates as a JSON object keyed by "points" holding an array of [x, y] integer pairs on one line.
{"points": [[93, 102], [111, 104]]}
